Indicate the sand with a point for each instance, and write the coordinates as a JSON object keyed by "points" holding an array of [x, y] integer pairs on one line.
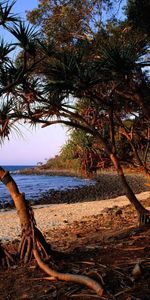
{"points": [[57, 215]]}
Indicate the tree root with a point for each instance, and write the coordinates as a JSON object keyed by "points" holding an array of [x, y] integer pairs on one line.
{"points": [[30, 232], [25, 249], [81, 279], [6, 259]]}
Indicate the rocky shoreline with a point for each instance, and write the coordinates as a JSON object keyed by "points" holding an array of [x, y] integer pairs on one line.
{"points": [[106, 186]]}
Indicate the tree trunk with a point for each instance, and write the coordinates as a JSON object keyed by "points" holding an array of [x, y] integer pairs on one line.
{"points": [[27, 220], [143, 213], [142, 98]]}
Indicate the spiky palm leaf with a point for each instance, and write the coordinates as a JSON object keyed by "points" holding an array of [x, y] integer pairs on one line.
{"points": [[6, 15], [8, 118], [25, 35], [122, 53], [8, 74], [70, 71], [5, 50], [30, 90]]}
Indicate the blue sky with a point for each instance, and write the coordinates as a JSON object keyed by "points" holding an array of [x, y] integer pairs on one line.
{"points": [[34, 145]]}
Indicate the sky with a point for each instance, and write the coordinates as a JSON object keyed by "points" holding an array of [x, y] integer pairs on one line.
{"points": [[34, 145]]}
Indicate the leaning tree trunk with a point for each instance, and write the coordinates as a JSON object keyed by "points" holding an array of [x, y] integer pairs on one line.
{"points": [[143, 213], [27, 220]]}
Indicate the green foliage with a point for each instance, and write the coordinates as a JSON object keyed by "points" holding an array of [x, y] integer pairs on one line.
{"points": [[62, 163], [78, 140]]}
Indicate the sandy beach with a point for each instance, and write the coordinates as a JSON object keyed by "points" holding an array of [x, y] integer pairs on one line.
{"points": [[58, 215]]}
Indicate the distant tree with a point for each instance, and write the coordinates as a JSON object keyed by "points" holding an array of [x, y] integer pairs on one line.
{"points": [[64, 22], [39, 163], [82, 146]]}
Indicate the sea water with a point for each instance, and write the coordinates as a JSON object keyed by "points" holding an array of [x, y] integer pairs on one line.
{"points": [[34, 185]]}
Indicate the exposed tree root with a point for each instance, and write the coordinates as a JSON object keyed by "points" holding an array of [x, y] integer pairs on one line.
{"points": [[81, 279], [25, 248], [37, 242], [6, 258], [27, 220]]}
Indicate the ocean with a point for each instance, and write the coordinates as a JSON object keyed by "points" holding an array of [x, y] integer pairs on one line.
{"points": [[34, 185]]}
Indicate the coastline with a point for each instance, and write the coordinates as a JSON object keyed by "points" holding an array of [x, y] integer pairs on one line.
{"points": [[105, 186], [58, 209]]}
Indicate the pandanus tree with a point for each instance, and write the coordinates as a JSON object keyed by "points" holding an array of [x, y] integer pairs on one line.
{"points": [[12, 88], [98, 81]]}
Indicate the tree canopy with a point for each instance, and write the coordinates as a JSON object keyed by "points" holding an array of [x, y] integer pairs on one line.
{"points": [[63, 22]]}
